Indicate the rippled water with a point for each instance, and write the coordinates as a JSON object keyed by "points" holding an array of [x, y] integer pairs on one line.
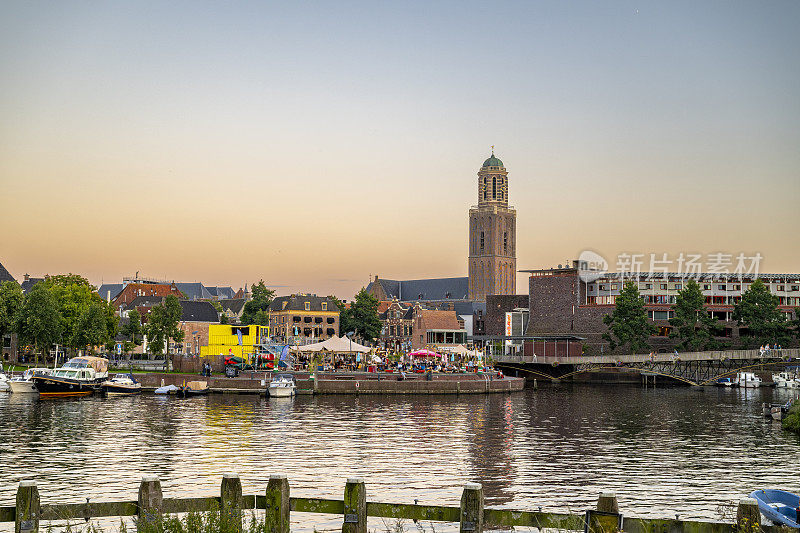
{"points": [[664, 452]]}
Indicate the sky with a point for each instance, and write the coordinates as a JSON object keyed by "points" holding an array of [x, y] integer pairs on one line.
{"points": [[317, 144]]}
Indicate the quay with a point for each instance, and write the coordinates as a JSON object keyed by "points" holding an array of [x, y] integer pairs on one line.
{"points": [[254, 382], [151, 506]]}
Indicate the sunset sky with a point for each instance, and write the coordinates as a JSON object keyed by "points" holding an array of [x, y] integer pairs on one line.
{"points": [[316, 144]]}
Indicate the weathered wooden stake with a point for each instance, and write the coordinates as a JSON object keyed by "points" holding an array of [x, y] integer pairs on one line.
{"points": [[27, 520], [748, 517], [150, 499], [472, 509], [277, 513], [607, 503], [355, 506], [231, 499]]}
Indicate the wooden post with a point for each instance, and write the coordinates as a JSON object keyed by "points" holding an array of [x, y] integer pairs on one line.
{"points": [[607, 503], [27, 516], [748, 517], [472, 509], [231, 499], [150, 499], [355, 506], [277, 512]]}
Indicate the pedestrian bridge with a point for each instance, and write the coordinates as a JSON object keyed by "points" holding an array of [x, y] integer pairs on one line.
{"points": [[693, 368]]}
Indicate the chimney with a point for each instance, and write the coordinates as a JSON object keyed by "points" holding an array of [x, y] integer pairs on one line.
{"points": [[26, 277]]}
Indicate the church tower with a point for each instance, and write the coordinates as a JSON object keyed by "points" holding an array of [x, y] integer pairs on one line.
{"points": [[492, 235]]}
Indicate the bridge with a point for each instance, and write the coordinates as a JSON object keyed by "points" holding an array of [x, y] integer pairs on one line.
{"points": [[693, 368]]}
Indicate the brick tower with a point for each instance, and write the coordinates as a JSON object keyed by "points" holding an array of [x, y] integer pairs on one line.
{"points": [[492, 235]]}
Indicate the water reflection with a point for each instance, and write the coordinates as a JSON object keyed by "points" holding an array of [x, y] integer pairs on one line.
{"points": [[662, 450]]}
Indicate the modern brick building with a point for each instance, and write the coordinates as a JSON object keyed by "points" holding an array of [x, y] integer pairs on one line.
{"points": [[561, 303]]}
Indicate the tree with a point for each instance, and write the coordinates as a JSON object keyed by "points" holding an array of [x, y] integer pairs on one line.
{"points": [[162, 324], [758, 311], [256, 311], [40, 321], [628, 324], [11, 299], [796, 322], [133, 329], [361, 317], [84, 315], [692, 324], [223, 318]]}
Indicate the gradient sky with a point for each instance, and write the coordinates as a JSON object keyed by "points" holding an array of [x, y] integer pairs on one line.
{"points": [[316, 144]]}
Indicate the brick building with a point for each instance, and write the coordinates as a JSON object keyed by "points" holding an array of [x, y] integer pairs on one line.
{"points": [[136, 290], [301, 318], [561, 303]]}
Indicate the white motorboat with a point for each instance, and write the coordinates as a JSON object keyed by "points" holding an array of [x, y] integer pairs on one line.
{"points": [[785, 380], [748, 380], [282, 386], [24, 383], [121, 385]]}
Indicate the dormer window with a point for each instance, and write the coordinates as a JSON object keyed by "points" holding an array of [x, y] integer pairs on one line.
{"points": [[308, 306], [324, 306]]}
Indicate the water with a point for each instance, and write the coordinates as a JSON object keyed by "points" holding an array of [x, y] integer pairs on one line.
{"points": [[664, 452]]}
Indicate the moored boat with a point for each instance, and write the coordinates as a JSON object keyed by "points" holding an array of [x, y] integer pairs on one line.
{"points": [[121, 385], [4, 387], [24, 383], [80, 376], [193, 388], [748, 380], [282, 386], [785, 380], [780, 506]]}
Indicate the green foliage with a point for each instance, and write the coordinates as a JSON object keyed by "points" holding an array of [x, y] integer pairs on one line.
{"points": [[758, 310], [133, 330], [692, 323], [162, 324], [40, 320], [86, 319], [223, 318], [256, 311], [792, 420], [361, 317], [628, 325], [11, 299]]}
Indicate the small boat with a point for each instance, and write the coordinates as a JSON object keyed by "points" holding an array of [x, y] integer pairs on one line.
{"points": [[282, 386], [167, 389], [725, 382], [4, 387], [785, 380], [779, 506], [80, 376], [748, 380], [121, 385], [193, 388], [24, 383]]}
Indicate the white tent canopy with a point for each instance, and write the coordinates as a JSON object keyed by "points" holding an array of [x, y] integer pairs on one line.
{"points": [[460, 350], [334, 344]]}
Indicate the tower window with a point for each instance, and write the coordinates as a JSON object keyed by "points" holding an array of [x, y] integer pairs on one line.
{"points": [[494, 187], [482, 242], [505, 242]]}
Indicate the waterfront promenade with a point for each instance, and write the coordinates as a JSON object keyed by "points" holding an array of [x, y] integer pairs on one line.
{"points": [[348, 383]]}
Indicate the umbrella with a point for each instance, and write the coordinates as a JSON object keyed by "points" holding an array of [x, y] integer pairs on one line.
{"points": [[423, 353]]}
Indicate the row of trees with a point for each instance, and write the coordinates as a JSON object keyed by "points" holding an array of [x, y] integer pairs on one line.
{"points": [[67, 310], [693, 326], [63, 309]]}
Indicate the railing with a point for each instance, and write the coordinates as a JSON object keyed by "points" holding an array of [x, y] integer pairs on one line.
{"points": [[785, 353], [354, 507]]}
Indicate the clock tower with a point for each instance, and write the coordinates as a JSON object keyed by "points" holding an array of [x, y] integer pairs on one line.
{"points": [[492, 235]]}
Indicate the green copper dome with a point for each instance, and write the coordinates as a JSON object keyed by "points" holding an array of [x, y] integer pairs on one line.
{"points": [[492, 162]]}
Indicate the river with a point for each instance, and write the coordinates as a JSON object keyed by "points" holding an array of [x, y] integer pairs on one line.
{"points": [[664, 451]]}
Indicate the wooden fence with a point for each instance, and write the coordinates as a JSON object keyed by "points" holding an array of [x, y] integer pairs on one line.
{"points": [[354, 507]]}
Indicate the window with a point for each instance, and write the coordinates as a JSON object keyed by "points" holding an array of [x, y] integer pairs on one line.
{"points": [[780, 287], [505, 242], [494, 187], [391, 331], [706, 287], [308, 306], [648, 286], [285, 303], [794, 287], [662, 286], [721, 287], [324, 306], [602, 287], [737, 287], [678, 286], [482, 241], [331, 320], [613, 286]]}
